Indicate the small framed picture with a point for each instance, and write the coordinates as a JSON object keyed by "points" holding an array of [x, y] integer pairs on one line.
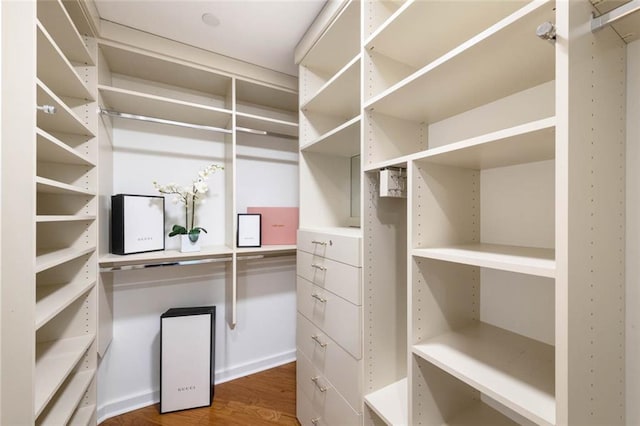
{"points": [[249, 230]]}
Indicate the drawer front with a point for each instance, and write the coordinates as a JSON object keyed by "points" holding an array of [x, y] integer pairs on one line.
{"points": [[320, 398], [339, 278], [333, 362], [332, 314], [345, 249]]}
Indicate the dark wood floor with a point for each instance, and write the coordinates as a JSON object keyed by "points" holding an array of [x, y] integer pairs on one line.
{"points": [[265, 398]]}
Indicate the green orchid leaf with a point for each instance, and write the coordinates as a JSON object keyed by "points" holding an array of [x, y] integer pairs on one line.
{"points": [[177, 230], [200, 229]]}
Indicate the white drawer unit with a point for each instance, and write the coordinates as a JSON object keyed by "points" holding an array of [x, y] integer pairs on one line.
{"points": [[334, 315], [343, 246], [337, 277], [318, 401], [333, 362]]}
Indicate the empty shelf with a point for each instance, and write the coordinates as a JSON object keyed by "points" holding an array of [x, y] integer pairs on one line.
{"points": [[516, 371], [343, 141], [64, 406], [390, 403], [51, 149], [64, 120], [54, 17], [54, 361], [524, 260], [47, 259], [52, 299], [50, 186]]}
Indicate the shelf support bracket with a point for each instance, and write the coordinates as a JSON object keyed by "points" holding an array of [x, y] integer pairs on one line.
{"points": [[614, 15]]}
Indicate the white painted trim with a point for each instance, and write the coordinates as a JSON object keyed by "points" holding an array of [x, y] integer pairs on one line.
{"points": [[134, 402]]}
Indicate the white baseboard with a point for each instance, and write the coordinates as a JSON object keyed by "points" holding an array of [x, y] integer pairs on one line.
{"points": [[124, 405]]}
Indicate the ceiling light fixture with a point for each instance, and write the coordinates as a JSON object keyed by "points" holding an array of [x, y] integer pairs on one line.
{"points": [[210, 19]]}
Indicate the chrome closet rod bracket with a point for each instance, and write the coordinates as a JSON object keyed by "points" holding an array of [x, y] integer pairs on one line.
{"points": [[47, 109]]}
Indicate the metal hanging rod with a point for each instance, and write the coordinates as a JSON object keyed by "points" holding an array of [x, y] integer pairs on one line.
{"points": [[190, 125], [187, 262], [161, 121], [614, 15], [161, 264], [265, 133]]}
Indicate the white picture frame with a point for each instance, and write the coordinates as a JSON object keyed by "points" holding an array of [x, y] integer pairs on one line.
{"points": [[249, 230]]}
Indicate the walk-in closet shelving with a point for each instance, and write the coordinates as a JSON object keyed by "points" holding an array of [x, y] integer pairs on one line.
{"points": [[330, 120], [395, 50], [263, 108], [385, 303], [329, 261], [65, 221], [246, 125], [398, 119]]}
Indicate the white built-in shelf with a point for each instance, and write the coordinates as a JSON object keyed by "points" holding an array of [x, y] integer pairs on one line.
{"points": [[171, 257], [50, 258], [82, 416], [64, 120], [66, 403], [480, 414], [154, 67], [53, 299], [390, 403], [340, 96], [270, 125], [249, 252], [44, 218], [525, 260], [444, 24], [338, 44], [502, 60], [50, 186], [394, 162], [54, 17], [516, 371], [51, 149], [54, 361], [266, 96], [527, 143], [164, 256], [343, 140], [56, 71], [138, 103]]}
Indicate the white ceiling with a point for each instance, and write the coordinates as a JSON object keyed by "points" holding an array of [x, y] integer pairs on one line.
{"points": [[263, 32]]}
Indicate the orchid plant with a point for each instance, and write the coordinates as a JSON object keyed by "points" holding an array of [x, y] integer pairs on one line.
{"points": [[189, 196]]}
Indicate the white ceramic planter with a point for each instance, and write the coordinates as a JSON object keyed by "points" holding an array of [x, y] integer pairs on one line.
{"points": [[188, 246]]}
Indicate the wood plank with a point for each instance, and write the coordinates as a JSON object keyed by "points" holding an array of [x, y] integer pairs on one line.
{"points": [[263, 399]]}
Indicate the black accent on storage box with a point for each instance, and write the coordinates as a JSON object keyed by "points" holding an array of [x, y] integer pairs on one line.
{"points": [[118, 215]]}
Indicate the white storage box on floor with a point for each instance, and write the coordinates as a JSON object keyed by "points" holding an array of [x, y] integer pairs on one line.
{"points": [[187, 358]]}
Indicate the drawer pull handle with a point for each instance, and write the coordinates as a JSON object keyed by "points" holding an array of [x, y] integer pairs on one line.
{"points": [[315, 421], [318, 298], [318, 341], [321, 243], [319, 386], [320, 267]]}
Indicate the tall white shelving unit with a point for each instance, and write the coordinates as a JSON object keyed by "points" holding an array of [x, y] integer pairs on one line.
{"points": [[494, 292], [52, 299], [329, 263], [56, 307]]}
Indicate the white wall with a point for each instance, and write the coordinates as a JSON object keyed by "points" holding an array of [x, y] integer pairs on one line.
{"points": [[264, 337], [633, 235]]}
